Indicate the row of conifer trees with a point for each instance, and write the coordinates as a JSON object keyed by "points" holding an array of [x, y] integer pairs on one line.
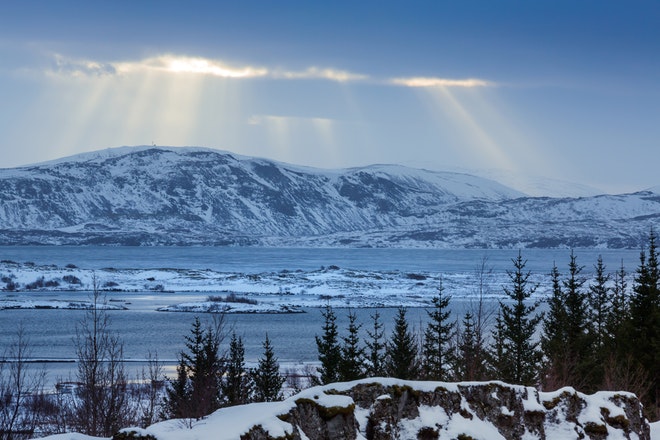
{"points": [[208, 379], [596, 334]]}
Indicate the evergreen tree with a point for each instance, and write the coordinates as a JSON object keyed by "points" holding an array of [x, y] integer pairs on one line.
{"points": [[578, 342], [207, 368], [266, 377], [375, 348], [621, 370], [352, 354], [618, 314], [437, 349], [328, 348], [401, 361], [195, 392], [554, 334], [498, 363], [177, 402], [576, 304], [520, 322], [599, 303], [644, 322], [470, 363], [236, 386]]}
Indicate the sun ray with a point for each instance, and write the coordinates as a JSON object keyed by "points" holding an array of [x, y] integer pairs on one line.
{"points": [[180, 108], [483, 147], [86, 109], [79, 101], [361, 137], [487, 106], [279, 132], [324, 128]]}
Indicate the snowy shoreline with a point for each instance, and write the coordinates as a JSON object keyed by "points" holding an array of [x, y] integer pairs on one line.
{"points": [[236, 292]]}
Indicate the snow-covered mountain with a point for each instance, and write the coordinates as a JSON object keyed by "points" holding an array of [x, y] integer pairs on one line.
{"points": [[537, 186], [149, 195]]}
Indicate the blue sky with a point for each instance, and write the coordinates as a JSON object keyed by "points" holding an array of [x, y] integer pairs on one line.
{"points": [[561, 89]]}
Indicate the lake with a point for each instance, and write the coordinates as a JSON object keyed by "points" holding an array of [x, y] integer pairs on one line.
{"points": [[143, 329]]}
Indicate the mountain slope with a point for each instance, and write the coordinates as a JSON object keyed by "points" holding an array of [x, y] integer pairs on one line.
{"points": [[146, 195]]}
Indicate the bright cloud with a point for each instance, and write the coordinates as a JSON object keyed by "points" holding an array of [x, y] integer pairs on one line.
{"points": [[318, 73], [81, 68], [175, 64], [193, 65], [420, 81], [261, 119]]}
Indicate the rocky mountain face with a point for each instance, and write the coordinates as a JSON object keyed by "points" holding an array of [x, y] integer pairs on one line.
{"points": [[194, 196], [384, 409]]}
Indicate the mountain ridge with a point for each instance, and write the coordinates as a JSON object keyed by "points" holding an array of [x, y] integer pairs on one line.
{"points": [[199, 196]]}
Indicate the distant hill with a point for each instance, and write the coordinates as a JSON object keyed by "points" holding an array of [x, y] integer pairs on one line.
{"points": [[196, 196]]}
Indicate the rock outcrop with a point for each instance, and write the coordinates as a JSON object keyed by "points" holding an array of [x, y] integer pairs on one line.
{"points": [[384, 409]]}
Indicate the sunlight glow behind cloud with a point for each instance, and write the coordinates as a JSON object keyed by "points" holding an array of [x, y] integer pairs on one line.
{"points": [[80, 68], [193, 65], [443, 85], [182, 98], [420, 81], [173, 64], [318, 73]]}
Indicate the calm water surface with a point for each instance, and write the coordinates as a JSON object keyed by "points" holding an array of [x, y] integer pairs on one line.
{"points": [[253, 259], [143, 329]]}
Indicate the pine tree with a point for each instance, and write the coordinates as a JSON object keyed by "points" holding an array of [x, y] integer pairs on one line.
{"points": [[470, 363], [557, 365], [176, 404], [618, 315], [375, 348], [520, 322], [236, 386], [195, 392], [328, 348], [576, 303], [644, 321], [498, 363], [352, 354], [599, 303], [266, 377], [206, 369], [401, 361], [437, 349], [578, 356]]}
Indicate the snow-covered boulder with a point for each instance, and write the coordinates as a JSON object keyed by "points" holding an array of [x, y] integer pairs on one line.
{"points": [[382, 409]]}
